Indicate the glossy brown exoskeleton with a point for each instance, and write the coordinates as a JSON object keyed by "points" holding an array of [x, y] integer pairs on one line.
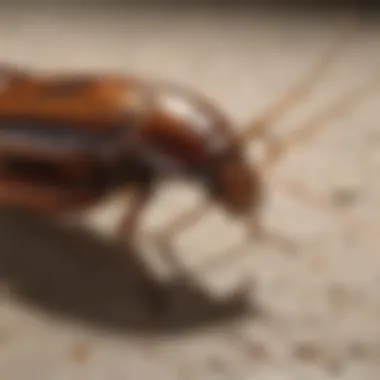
{"points": [[67, 141]]}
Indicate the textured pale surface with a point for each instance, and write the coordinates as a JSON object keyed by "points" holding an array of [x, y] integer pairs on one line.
{"points": [[318, 302]]}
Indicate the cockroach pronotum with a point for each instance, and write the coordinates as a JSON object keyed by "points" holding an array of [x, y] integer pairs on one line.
{"points": [[68, 140]]}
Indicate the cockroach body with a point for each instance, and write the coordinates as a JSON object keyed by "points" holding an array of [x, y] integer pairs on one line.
{"points": [[67, 141]]}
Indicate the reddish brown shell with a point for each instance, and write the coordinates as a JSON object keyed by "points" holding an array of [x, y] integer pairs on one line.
{"points": [[170, 139], [88, 101]]}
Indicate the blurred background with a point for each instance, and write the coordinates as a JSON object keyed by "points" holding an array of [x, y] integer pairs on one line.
{"points": [[319, 305]]}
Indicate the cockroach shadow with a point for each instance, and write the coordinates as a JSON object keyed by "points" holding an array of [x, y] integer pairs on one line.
{"points": [[74, 274]]}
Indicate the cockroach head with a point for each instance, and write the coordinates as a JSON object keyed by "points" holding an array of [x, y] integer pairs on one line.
{"points": [[232, 182]]}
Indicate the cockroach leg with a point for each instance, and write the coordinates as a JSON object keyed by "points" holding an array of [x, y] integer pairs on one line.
{"points": [[262, 235], [258, 128], [128, 229], [162, 238], [130, 221], [257, 233]]}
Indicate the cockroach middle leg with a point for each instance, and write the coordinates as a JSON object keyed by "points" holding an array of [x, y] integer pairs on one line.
{"points": [[127, 232], [131, 219]]}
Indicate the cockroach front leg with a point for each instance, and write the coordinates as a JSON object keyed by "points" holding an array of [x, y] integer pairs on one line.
{"points": [[163, 239]]}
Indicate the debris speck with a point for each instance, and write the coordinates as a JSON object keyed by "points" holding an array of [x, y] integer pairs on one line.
{"points": [[257, 351], [216, 365], [306, 351], [4, 336], [80, 352], [338, 298], [318, 263], [358, 350], [334, 365], [345, 197]]}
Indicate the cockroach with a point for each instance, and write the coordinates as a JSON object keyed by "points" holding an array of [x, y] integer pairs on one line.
{"points": [[69, 140]]}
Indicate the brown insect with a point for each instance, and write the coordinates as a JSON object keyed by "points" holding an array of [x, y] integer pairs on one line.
{"points": [[67, 141]]}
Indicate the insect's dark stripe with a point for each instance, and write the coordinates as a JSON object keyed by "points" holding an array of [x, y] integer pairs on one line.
{"points": [[58, 135]]}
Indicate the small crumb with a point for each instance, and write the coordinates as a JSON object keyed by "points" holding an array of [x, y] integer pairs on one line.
{"points": [[257, 351], [306, 351], [152, 350], [333, 365], [318, 263], [80, 352], [375, 351], [345, 197], [216, 364], [338, 298], [185, 373], [358, 350], [373, 137], [4, 336]]}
